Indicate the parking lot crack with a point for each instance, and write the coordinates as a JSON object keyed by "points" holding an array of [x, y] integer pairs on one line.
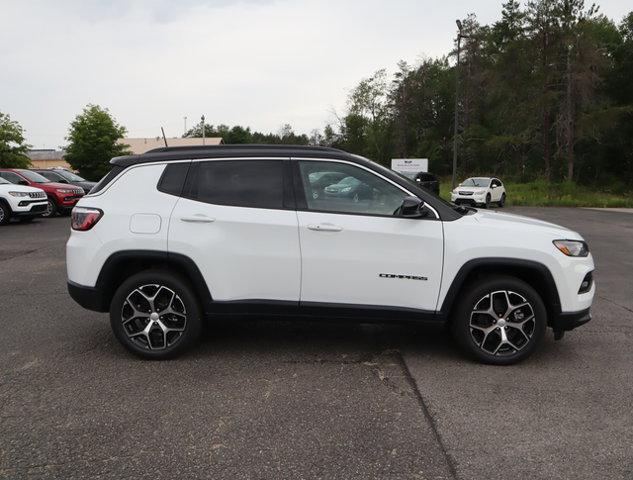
{"points": [[615, 303], [450, 461]]}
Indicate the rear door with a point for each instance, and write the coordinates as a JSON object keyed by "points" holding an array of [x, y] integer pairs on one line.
{"points": [[355, 249], [235, 224]]}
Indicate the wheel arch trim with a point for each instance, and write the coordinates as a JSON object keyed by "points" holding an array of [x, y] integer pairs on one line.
{"points": [[502, 265], [111, 273]]}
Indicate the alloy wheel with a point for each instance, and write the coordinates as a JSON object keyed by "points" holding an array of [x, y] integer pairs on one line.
{"points": [[502, 323], [1, 215], [49, 209], [154, 317]]}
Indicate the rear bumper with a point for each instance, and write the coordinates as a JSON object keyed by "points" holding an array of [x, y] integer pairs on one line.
{"points": [[565, 321], [91, 298]]}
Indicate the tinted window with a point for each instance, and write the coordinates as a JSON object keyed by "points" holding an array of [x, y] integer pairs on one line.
{"points": [[51, 176], [173, 178], [352, 190], [241, 183], [12, 177], [107, 179]]}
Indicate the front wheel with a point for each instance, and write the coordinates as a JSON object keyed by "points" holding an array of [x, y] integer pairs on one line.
{"points": [[155, 315], [502, 202], [51, 208], [487, 204], [5, 214], [500, 320]]}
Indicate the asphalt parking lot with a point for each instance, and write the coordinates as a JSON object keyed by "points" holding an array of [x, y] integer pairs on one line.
{"points": [[288, 399]]}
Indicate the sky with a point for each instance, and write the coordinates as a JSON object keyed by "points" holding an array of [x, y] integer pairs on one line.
{"points": [[257, 63]]}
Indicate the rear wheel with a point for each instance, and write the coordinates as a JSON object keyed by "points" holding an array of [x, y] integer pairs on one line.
{"points": [[51, 208], [5, 214], [500, 320], [155, 315]]}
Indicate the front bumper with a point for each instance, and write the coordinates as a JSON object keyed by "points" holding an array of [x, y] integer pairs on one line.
{"points": [[469, 200], [28, 208], [566, 321]]}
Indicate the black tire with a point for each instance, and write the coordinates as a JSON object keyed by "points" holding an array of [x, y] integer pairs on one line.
{"points": [[5, 214], [502, 202], [487, 204], [51, 208], [163, 345], [478, 344]]}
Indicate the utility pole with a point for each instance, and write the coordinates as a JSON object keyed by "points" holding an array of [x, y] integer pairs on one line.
{"points": [[202, 119], [456, 120], [185, 125]]}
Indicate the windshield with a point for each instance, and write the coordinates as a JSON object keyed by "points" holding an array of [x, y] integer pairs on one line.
{"points": [[69, 176], [476, 182], [34, 177]]}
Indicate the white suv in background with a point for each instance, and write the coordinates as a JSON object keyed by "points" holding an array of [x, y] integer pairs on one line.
{"points": [[18, 201], [480, 191], [175, 235]]}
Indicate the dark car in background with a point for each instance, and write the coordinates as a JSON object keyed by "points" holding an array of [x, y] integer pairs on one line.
{"points": [[61, 175], [428, 181], [349, 187]]}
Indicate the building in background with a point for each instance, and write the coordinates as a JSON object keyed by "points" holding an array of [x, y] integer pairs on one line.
{"points": [[47, 158], [142, 145]]}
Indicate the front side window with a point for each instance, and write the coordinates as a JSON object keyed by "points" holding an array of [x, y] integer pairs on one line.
{"points": [[349, 189], [239, 183]]}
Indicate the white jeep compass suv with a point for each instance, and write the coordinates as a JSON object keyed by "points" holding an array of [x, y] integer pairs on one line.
{"points": [[175, 235], [21, 202]]}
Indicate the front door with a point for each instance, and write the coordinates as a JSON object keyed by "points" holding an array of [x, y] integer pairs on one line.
{"points": [[355, 249]]}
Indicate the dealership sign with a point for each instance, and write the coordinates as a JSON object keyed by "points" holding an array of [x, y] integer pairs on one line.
{"points": [[410, 165]]}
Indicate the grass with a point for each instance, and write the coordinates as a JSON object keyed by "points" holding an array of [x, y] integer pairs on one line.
{"points": [[540, 193]]}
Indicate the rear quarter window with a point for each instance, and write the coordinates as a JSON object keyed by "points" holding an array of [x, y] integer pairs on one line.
{"points": [[173, 178]]}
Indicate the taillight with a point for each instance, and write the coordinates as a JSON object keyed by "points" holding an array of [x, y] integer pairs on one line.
{"points": [[84, 218]]}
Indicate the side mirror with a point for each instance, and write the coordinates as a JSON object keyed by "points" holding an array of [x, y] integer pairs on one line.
{"points": [[412, 208], [493, 186]]}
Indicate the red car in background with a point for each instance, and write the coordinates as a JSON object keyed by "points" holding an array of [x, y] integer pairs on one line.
{"points": [[62, 197]]}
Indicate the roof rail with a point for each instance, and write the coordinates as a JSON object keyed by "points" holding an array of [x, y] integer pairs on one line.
{"points": [[241, 146]]}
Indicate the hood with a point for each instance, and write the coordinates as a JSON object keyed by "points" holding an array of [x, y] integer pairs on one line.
{"points": [[12, 187], [68, 186], [510, 220], [472, 189]]}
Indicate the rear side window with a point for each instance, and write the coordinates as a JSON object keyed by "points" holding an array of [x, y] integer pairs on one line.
{"points": [[173, 179], [107, 179], [240, 183]]}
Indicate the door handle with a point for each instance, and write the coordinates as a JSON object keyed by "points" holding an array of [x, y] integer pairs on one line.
{"points": [[197, 219], [325, 227]]}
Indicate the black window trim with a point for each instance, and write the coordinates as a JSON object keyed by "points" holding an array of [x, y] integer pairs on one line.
{"points": [[302, 205], [288, 193]]}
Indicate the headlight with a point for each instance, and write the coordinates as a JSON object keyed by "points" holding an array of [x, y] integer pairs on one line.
{"points": [[572, 248], [64, 190], [19, 194]]}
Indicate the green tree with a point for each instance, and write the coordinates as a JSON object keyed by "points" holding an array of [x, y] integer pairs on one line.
{"points": [[93, 141], [12, 144]]}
